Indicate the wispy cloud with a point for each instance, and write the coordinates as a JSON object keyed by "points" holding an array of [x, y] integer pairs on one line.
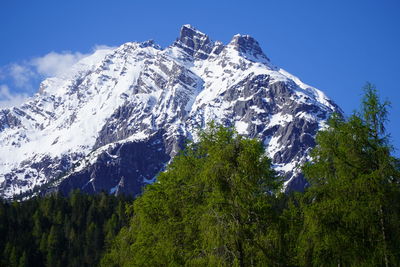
{"points": [[102, 47], [20, 80], [25, 75], [8, 99], [21, 75], [54, 64]]}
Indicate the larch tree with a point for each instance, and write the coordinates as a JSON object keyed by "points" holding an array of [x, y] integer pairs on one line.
{"points": [[213, 206], [352, 207]]}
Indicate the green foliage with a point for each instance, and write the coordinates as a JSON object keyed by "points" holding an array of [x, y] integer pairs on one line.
{"points": [[213, 206], [59, 231], [352, 206]]}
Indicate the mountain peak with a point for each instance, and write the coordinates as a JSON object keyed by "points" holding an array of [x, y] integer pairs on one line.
{"points": [[188, 26], [149, 43], [198, 45], [248, 47], [188, 31], [194, 42]]}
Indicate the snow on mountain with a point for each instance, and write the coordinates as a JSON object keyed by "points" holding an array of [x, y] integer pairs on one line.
{"points": [[117, 117]]}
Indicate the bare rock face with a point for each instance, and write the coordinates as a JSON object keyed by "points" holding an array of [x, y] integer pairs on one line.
{"points": [[247, 47], [124, 168], [117, 117]]}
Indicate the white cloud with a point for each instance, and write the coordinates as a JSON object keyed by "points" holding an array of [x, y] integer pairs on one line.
{"points": [[21, 75], [49, 65], [54, 64], [8, 99], [26, 75], [103, 47]]}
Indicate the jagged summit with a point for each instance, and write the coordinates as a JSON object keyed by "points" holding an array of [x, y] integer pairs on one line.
{"points": [[118, 116], [149, 43], [194, 42], [248, 47], [200, 46]]}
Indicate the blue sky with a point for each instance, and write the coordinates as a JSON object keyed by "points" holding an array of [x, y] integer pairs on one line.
{"points": [[335, 46]]}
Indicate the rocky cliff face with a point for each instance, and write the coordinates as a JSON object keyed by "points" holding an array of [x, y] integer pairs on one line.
{"points": [[118, 116]]}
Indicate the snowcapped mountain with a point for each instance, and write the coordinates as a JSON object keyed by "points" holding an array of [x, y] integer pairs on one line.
{"points": [[117, 117]]}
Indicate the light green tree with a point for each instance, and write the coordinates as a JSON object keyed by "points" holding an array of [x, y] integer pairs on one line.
{"points": [[213, 206], [351, 207]]}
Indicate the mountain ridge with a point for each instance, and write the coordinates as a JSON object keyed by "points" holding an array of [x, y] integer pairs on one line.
{"points": [[140, 97]]}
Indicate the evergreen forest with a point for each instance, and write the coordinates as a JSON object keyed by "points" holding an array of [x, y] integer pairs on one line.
{"points": [[60, 231]]}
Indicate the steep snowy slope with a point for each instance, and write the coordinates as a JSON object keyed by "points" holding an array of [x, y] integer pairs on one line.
{"points": [[117, 117]]}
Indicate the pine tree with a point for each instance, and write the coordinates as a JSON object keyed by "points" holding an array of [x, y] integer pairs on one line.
{"points": [[13, 257], [53, 247], [23, 261], [351, 209]]}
